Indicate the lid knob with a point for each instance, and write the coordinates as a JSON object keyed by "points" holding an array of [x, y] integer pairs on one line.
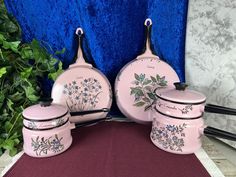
{"points": [[180, 86], [44, 102]]}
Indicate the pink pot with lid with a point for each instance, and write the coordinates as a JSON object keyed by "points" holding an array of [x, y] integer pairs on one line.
{"points": [[47, 130], [177, 117]]}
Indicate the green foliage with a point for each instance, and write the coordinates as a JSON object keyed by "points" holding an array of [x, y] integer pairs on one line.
{"points": [[143, 91], [21, 66]]}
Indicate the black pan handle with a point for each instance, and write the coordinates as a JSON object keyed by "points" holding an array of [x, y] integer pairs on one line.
{"points": [[219, 109], [83, 124], [80, 113], [214, 132]]}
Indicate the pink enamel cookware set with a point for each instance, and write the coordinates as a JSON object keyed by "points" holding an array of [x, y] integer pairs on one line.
{"points": [[147, 90]]}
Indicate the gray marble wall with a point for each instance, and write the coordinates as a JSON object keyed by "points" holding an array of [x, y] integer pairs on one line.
{"points": [[211, 56]]}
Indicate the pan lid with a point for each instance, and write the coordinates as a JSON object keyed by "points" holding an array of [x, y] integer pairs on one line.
{"points": [[45, 110], [180, 94]]}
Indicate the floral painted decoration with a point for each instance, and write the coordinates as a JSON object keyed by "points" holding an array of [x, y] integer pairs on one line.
{"points": [[82, 96], [170, 136], [143, 90], [44, 145]]}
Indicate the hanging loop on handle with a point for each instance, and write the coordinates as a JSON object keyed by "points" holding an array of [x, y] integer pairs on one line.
{"points": [[80, 61], [80, 57], [147, 48]]}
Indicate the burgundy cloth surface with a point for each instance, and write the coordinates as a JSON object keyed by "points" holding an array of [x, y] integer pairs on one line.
{"points": [[110, 149]]}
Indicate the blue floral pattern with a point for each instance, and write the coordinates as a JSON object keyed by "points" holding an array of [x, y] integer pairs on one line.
{"points": [[82, 96], [170, 136], [43, 146]]}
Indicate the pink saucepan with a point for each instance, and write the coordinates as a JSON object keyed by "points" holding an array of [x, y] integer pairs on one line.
{"points": [[47, 130], [177, 117]]}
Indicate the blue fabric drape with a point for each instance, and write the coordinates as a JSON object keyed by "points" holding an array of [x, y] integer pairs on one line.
{"points": [[114, 31]]}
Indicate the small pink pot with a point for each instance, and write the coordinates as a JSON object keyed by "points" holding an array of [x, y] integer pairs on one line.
{"points": [[47, 130], [177, 125]]}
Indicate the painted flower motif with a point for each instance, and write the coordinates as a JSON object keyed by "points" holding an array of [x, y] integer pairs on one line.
{"points": [[170, 136], [83, 95], [43, 146], [143, 90]]}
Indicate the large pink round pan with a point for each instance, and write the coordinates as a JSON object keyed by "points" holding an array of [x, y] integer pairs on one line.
{"points": [[137, 80], [83, 88]]}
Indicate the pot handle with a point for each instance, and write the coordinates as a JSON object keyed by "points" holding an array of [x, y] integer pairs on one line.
{"points": [[219, 109], [81, 113], [83, 124], [214, 132]]}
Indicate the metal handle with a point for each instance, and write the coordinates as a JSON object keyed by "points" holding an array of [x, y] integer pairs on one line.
{"points": [[81, 113], [219, 109], [92, 122], [214, 132]]}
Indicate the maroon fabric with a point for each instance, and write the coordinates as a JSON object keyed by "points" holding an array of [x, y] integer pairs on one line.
{"points": [[110, 149]]}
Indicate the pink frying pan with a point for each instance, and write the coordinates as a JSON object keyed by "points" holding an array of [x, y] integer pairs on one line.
{"points": [[82, 88], [137, 80]]}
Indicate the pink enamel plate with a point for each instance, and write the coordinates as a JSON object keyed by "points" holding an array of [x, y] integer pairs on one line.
{"points": [[137, 80], [83, 88]]}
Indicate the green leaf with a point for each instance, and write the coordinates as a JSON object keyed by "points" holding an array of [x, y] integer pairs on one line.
{"points": [[54, 75], [151, 95], [136, 76], [7, 126], [153, 79], [11, 45], [31, 94], [146, 82], [141, 77], [26, 52], [2, 38], [3, 71], [60, 52], [26, 73], [137, 91], [158, 77], [148, 88], [9, 104], [16, 96], [139, 104]]}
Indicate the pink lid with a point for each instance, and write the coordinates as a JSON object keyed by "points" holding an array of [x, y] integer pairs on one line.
{"points": [[44, 111], [180, 94]]}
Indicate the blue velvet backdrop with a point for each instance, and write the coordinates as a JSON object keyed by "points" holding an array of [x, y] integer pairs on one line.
{"points": [[114, 31]]}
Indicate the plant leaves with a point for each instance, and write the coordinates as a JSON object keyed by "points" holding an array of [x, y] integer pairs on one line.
{"points": [[146, 82], [139, 104], [26, 73], [3, 71], [151, 95], [136, 76], [153, 79]]}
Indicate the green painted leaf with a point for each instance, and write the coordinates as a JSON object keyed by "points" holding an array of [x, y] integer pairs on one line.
{"points": [[146, 99], [146, 82], [158, 77], [139, 104], [148, 107], [3, 71], [148, 88], [141, 77], [152, 96], [153, 79], [136, 76]]}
